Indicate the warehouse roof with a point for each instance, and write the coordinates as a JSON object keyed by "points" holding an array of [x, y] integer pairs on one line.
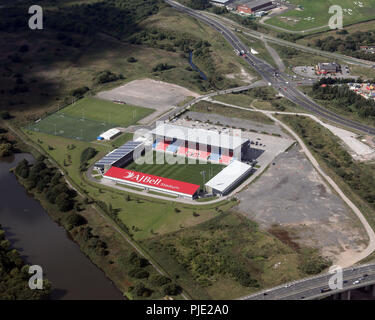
{"points": [[202, 136], [256, 3], [118, 154], [226, 178]]}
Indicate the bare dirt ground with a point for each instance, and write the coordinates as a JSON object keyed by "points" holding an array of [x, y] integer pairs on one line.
{"points": [[243, 76], [149, 93], [292, 196]]}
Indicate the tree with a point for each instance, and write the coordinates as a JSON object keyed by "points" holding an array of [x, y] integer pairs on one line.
{"points": [[159, 280], [64, 203], [171, 289], [5, 149], [74, 220]]}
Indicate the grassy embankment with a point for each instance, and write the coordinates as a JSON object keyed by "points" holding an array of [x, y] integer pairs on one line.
{"points": [[228, 257], [209, 107], [261, 98]]}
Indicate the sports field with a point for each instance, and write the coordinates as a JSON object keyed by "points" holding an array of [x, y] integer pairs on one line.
{"points": [[66, 126], [88, 118], [182, 172], [106, 111], [315, 13]]}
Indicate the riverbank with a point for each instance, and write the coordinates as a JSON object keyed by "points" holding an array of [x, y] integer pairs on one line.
{"points": [[115, 262], [14, 275]]}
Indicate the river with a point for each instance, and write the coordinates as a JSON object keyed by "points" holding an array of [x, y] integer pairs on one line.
{"points": [[203, 76], [43, 242]]}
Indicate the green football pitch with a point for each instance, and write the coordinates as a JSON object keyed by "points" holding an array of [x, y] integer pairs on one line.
{"points": [[70, 127], [88, 118], [104, 111], [192, 173]]}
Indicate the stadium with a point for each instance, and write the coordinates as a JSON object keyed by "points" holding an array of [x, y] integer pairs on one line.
{"points": [[200, 155]]}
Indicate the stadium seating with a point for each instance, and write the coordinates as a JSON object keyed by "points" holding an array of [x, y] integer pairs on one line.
{"points": [[192, 153], [203, 154], [162, 146], [225, 159], [182, 151], [173, 147], [215, 157]]}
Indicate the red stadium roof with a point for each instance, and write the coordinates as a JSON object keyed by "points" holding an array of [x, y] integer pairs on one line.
{"points": [[152, 181]]}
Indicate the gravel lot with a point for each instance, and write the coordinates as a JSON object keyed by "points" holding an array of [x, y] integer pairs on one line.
{"points": [[149, 93], [235, 122], [292, 195]]}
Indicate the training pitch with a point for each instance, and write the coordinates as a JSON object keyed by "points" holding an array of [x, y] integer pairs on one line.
{"points": [[100, 110], [87, 118], [70, 127]]}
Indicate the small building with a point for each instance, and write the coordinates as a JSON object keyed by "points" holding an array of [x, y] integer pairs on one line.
{"points": [[227, 179], [231, 7], [328, 67], [255, 5], [110, 134], [368, 49], [220, 3]]}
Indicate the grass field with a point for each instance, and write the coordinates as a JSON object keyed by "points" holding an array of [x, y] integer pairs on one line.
{"points": [[88, 118], [71, 127], [208, 107], [318, 9], [184, 172], [204, 255], [106, 111]]}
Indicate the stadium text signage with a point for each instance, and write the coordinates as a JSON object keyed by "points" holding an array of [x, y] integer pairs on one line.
{"points": [[150, 180]]}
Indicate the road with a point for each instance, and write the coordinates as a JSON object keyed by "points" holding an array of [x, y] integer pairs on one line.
{"points": [[256, 34], [311, 288], [280, 81]]}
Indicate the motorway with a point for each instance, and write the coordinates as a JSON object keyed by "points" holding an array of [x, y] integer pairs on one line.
{"points": [[278, 80], [270, 38], [311, 288]]}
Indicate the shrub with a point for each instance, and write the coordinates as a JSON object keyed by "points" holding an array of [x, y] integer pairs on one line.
{"points": [[138, 273], [171, 289], [159, 280], [74, 220]]}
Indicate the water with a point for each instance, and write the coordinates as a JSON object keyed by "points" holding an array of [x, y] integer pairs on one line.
{"points": [[43, 242], [195, 67]]}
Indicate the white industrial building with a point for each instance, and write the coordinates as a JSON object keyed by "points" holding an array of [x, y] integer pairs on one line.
{"points": [[110, 134], [228, 178]]}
